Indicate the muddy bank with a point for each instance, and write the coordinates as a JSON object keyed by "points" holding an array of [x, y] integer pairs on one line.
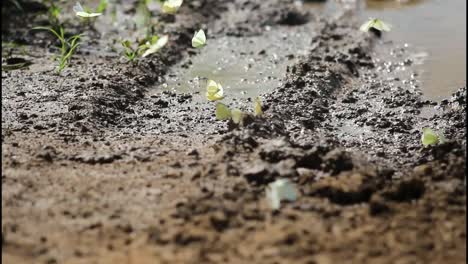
{"points": [[107, 167]]}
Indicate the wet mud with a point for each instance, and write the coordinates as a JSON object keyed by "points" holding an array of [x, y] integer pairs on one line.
{"points": [[106, 163]]}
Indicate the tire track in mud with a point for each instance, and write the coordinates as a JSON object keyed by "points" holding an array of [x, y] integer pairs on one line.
{"points": [[163, 201]]}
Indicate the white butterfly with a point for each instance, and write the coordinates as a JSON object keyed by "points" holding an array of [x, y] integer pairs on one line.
{"points": [[82, 13], [214, 91], [375, 23], [156, 46], [199, 39], [280, 190], [171, 6]]}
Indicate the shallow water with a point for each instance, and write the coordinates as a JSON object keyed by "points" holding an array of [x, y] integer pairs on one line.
{"points": [[436, 28], [246, 67]]}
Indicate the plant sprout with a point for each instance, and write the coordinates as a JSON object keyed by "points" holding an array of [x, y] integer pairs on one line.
{"points": [[171, 6], [67, 48], [199, 39], [376, 24], [280, 190], [130, 52], [214, 91], [53, 13], [79, 11], [429, 137], [102, 6]]}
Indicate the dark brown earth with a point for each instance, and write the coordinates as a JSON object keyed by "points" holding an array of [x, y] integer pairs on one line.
{"points": [[97, 170]]}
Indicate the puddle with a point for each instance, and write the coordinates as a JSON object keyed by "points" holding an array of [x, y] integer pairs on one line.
{"points": [[246, 67], [433, 27], [250, 66]]}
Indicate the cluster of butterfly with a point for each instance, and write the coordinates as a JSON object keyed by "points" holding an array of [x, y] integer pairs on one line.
{"points": [[215, 92], [169, 7]]}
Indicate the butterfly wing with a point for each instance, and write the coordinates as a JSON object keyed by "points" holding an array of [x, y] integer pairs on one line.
{"points": [[280, 190], [385, 26], [366, 26], [429, 137], [85, 14], [78, 8], [171, 6], [161, 42], [288, 191], [222, 112], [258, 107], [214, 91], [380, 25], [199, 39], [237, 116], [272, 197]]}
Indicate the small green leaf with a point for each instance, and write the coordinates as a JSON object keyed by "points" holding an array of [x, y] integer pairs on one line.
{"points": [[126, 43], [102, 6]]}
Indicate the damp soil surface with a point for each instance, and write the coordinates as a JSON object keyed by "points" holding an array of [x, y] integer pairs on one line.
{"points": [[114, 162]]}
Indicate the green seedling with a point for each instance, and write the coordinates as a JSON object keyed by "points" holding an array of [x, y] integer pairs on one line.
{"points": [[171, 6], [130, 52], [375, 23], [54, 13], [102, 6], [429, 137], [199, 39], [68, 46]]}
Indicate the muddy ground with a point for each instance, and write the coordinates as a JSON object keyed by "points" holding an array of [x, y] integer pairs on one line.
{"points": [[100, 165]]}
